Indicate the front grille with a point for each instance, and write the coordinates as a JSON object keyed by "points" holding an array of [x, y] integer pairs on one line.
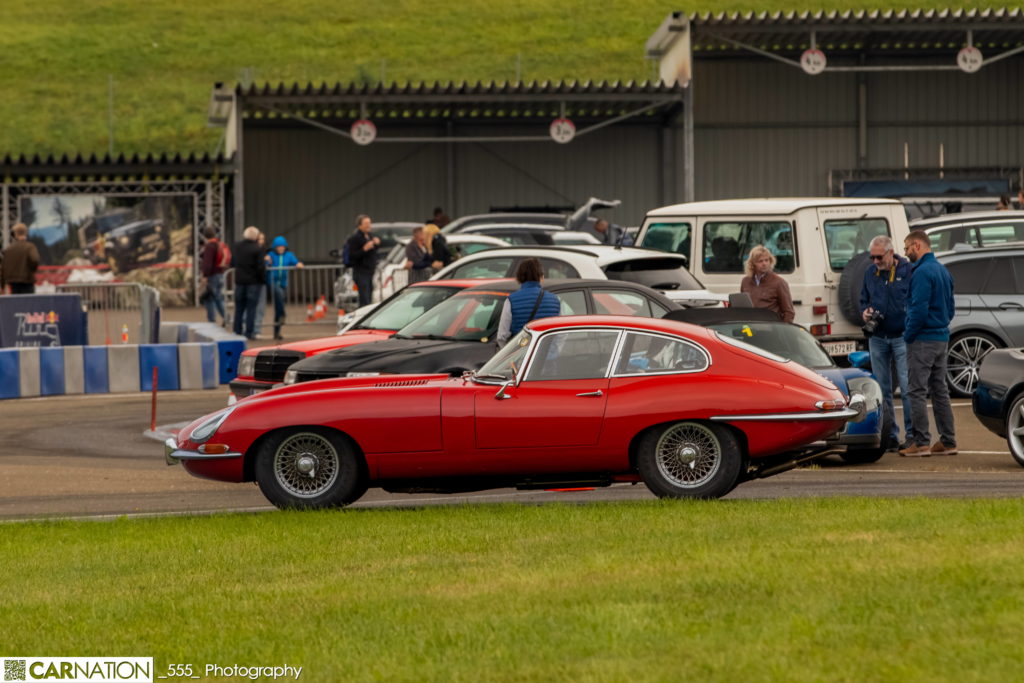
{"points": [[271, 365]]}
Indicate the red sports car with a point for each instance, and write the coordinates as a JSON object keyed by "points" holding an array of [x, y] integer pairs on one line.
{"points": [[569, 401], [261, 368]]}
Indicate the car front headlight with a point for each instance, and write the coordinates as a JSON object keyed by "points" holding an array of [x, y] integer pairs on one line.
{"points": [[247, 366], [204, 431], [291, 376]]}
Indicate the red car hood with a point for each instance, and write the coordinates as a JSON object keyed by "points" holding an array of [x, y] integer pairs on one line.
{"points": [[351, 383], [311, 347]]}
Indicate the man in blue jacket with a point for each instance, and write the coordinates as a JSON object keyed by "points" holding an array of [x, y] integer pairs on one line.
{"points": [[929, 313], [279, 260], [529, 302], [883, 305]]}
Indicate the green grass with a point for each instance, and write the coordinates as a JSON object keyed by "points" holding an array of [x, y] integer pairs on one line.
{"points": [[834, 589], [165, 55]]}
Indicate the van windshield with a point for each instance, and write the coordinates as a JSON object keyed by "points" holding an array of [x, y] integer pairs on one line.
{"points": [[727, 244], [848, 237]]}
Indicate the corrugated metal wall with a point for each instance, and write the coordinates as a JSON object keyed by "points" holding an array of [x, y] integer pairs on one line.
{"points": [[309, 185], [766, 129]]}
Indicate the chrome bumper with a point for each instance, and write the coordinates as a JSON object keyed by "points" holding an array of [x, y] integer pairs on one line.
{"points": [[854, 412], [173, 455]]}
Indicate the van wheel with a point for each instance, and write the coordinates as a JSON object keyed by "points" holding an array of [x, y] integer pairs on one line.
{"points": [[850, 282]]}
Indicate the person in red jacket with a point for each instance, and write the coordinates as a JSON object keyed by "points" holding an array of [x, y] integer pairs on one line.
{"points": [[213, 262]]}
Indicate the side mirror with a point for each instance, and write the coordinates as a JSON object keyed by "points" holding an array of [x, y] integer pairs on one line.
{"points": [[501, 395], [860, 359]]}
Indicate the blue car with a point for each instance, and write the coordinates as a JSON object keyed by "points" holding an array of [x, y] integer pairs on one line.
{"points": [[860, 442]]}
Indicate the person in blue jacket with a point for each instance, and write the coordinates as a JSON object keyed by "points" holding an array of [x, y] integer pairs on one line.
{"points": [[279, 260], [883, 306], [929, 313], [529, 302]]}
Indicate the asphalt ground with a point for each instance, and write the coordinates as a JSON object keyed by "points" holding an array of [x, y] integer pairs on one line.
{"points": [[87, 456]]}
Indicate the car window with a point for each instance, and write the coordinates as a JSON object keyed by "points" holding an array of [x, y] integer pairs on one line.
{"points": [[573, 302], [509, 359], [1000, 277], [782, 339], [969, 275], [999, 234], [607, 302], [404, 307], [555, 269], [464, 317], [467, 248], [648, 353], [521, 237], [727, 244], [485, 268], [848, 237], [656, 273], [943, 240], [579, 354], [670, 237]]}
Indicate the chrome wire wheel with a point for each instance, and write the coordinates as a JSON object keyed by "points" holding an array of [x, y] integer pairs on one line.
{"points": [[306, 465], [1015, 431], [688, 455], [965, 356]]}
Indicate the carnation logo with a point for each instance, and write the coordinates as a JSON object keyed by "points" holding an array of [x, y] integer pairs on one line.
{"points": [[79, 669]]}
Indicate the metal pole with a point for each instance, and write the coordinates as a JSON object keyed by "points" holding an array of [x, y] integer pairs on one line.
{"points": [[110, 115], [688, 171], [239, 174], [449, 190], [152, 414]]}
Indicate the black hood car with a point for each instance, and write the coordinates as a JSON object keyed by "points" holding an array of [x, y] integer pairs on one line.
{"points": [[459, 333]]}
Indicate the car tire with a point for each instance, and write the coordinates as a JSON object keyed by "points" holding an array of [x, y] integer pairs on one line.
{"points": [[966, 351], [309, 468], [850, 283], [689, 460], [1015, 430]]}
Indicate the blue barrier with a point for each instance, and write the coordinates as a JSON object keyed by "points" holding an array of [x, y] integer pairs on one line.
{"points": [[51, 371], [94, 358], [164, 357], [10, 373]]}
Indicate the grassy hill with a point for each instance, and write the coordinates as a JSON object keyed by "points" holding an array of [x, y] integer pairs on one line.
{"points": [[60, 59]]}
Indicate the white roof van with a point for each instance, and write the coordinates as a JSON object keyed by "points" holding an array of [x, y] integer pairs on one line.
{"points": [[820, 247]]}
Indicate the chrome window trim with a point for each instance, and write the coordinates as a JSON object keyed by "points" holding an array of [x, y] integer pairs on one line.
{"points": [[672, 337]]}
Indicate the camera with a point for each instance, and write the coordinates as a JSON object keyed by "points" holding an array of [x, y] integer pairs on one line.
{"points": [[871, 324]]}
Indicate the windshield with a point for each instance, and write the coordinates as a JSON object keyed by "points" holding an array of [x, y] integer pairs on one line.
{"points": [[465, 317], [511, 355], [403, 308], [657, 273], [782, 339]]}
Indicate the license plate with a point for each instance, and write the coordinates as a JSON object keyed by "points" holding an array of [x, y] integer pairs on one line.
{"points": [[840, 348]]}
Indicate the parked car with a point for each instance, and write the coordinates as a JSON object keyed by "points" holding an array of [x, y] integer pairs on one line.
{"points": [[998, 399], [569, 401], [988, 289], [976, 229], [459, 333], [261, 368], [522, 234], [664, 272], [859, 442], [820, 245], [536, 218]]}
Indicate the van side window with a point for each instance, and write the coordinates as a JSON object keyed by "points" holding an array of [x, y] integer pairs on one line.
{"points": [[847, 237], [671, 237], [727, 245]]}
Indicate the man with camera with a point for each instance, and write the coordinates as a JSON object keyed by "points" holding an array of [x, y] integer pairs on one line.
{"points": [[883, 305]]}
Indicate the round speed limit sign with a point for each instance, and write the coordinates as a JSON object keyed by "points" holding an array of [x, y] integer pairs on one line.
{"points": [[363, 132], [969, 59], [562, 130], [813, 62]]}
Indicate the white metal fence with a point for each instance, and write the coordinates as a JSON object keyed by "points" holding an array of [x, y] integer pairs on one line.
{"points": [[119, 311], [310, 296]]}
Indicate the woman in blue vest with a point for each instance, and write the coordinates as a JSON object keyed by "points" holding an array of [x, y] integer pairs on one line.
{"points": [[530, 302], [279, 260]]}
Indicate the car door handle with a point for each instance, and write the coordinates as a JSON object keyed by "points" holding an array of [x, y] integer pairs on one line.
{"points": [[591, 394], [1010, 306]]}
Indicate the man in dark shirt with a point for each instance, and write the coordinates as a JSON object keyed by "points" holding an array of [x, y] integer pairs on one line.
{"points": [[250, 276], [362, 256], [19, 264]]}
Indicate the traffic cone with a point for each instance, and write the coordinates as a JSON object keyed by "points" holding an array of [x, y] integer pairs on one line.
{"points": [[124, 334], [309, 313], [321, 307]]}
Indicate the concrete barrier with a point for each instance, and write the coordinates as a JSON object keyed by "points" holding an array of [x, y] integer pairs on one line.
{"points": [[123, 368]]}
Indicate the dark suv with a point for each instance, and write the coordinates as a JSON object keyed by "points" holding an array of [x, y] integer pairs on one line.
{"points": [[988, 288], [120, 240]]}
